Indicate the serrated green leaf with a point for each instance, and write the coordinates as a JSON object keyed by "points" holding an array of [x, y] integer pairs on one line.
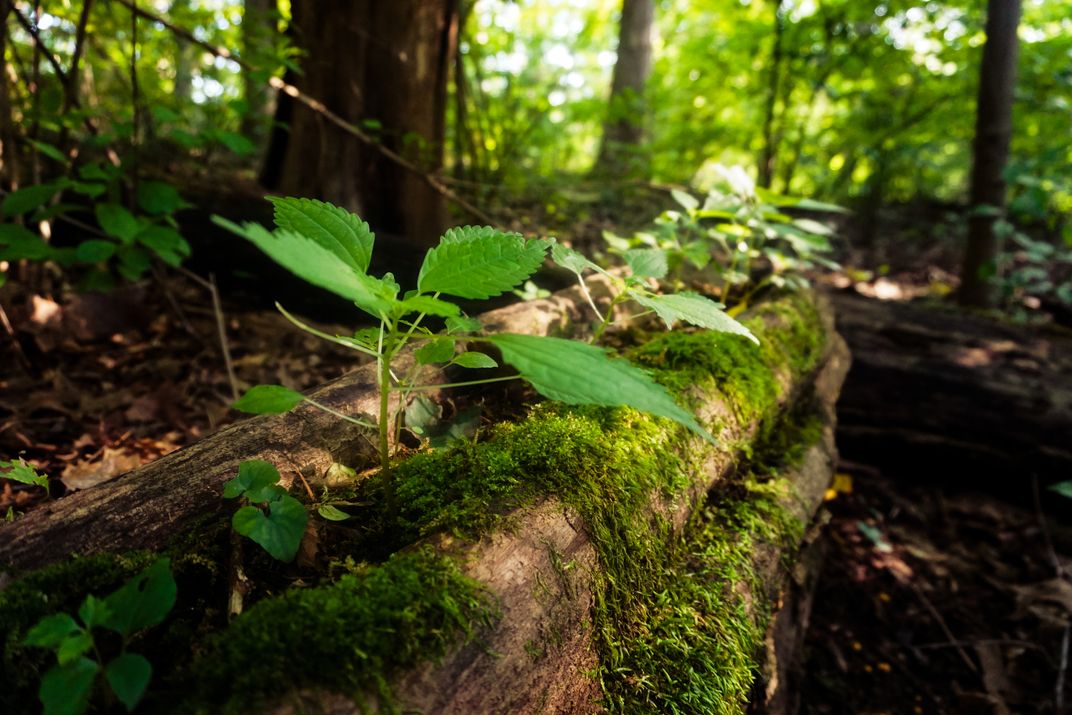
{"points": [[18, 470], [95, 250], [165, 242], [694, 309], [334, 228], [51, 631], [311, 261], [279, 532], [128, 675], [580, 374], [572, 260], [144, 601], [18, 243], [117, 222], [332, 513], [435, 350], [133, 262], [428, 305], [475, 360], [256, 481], [65, 689], [479, 262], [463, 324], [647, 262], [268, 400], [158, 197], [27, 199]]}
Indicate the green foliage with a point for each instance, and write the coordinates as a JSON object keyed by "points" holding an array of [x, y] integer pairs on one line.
{"points": [[270, 517], [469, 262], [141, 603], [19, 471]]}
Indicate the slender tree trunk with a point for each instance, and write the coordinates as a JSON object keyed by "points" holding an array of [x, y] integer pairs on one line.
{"points": [[766, 158], [9, 161], [258, 28], [622, 149], [369, 61], [185, 56], [993, 131]]}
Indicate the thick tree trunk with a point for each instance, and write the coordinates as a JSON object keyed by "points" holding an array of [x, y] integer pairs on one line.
{"points": [[993, 131], [622, 150], [383, 65], [954, 397]]}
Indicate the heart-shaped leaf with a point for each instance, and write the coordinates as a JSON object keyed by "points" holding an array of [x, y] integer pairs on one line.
{"points": [[279, 531]]}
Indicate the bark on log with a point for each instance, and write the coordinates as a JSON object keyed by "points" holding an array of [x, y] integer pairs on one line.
{"points": [[953, 395], [498, 675]]}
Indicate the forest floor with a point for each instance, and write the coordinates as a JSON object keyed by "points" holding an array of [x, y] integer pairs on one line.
{"points": [[929, 601]]}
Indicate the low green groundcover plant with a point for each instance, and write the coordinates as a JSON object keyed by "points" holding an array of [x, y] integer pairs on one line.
{"points": [[141, 603]]}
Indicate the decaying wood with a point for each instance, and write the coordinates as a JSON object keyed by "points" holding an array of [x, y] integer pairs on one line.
{"points": [[523, 569], [148, 507], [962, 397]]}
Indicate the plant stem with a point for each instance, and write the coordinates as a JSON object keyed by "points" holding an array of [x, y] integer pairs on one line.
{"points": [[607, 319], [428, 388], [384, 365]]}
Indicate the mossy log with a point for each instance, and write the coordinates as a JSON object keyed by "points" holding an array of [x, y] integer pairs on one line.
{"points": [[546, 570], [956, 396], [612, 502]]}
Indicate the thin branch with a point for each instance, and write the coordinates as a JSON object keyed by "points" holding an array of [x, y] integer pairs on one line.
{"points": [[320, 108], [221, 328]]}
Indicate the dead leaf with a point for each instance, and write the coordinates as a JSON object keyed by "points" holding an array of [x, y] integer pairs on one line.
{"points": [[84, 474]]}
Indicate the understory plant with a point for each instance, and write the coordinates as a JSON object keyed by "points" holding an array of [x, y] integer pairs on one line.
{"points": [[332, 248], [82, 655], [269, 516], [735, 228]]}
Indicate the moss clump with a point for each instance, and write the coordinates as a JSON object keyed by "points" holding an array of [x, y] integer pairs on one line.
{"points": [[348, 636], [55, 588], [555, 451]]}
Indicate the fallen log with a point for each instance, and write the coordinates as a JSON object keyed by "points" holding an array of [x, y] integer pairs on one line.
{"points": [[940, 393], [565, 574]]}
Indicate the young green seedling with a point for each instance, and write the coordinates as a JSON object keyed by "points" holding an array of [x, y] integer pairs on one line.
{"points": [[141, 603], [269, 516], [331, 248], [646, 264], [19, 471]]}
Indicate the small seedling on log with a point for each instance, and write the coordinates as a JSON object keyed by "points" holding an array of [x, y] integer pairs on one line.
{"points": [[332, 248], [269, 516], [141, 603]]}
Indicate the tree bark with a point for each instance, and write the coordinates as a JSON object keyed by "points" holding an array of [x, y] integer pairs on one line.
{"points": [[9, 158], [993, 131], [953, 397], [384, 64], [622, 151]]}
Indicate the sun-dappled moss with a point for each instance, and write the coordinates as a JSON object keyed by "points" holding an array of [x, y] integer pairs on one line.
{"points": [[348, 635]]}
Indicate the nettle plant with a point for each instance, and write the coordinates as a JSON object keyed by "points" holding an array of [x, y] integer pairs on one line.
{"points": [[80, 647], [740, 226], [332, 248], [126, 239]]}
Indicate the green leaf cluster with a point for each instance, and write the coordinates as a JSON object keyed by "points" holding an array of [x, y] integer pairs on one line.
{"points": [[141, 603], [270, 517]]}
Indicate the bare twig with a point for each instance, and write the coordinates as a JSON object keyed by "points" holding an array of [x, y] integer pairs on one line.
{"points": [[15, 340], [433, 180], [945, 628], [1041, 517], [1060, 687], [221, 327]]}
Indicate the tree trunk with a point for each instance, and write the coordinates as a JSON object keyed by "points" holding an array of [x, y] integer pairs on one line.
{"points": [[384, 65], [9, 159], [993, 130], [185, 57], [766, 159], [258, 29], [622, 150]]}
